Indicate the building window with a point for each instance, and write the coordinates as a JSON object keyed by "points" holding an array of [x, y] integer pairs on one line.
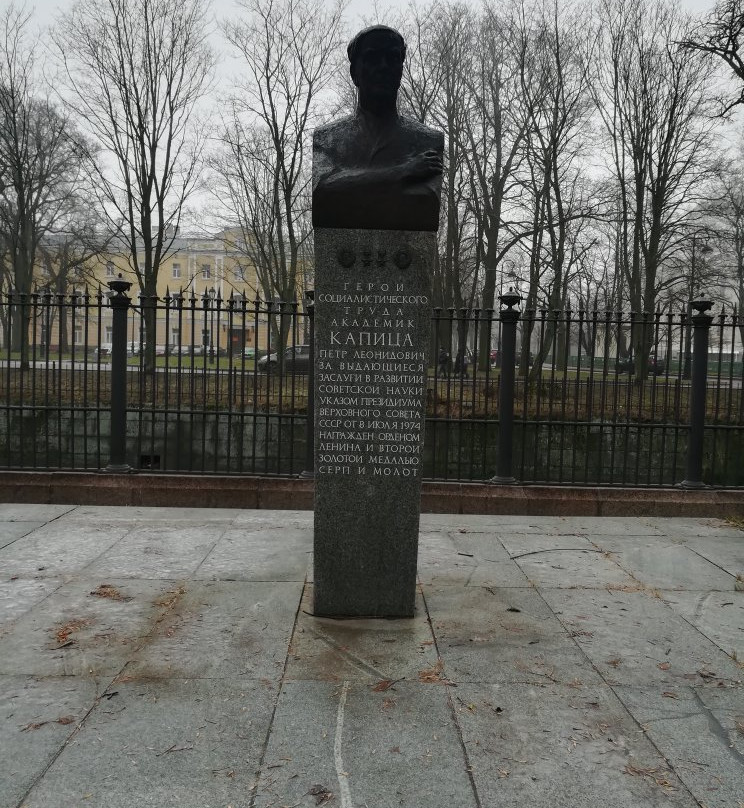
{"points": [[206, 272], [78, 336], [108, 333], [110, 271], [175, 337], [176, 270]]}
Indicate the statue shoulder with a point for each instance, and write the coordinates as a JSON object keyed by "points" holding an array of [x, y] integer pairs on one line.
{"points": [[428, 138], [331, 132]]}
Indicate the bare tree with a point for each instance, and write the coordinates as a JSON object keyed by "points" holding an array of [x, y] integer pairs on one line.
{"points": [[727, 218], [42, 163], [720, 34], [286, 49], [555, 85], [440, 40], [654, 101], [69, 258], [135, 71], [497, 123]]}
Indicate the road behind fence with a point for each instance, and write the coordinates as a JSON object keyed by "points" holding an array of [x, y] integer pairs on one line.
{"points": [[196, 385]]}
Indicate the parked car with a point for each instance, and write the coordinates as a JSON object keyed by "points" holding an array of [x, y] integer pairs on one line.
{"points": [[296, 359], [104, 349]]}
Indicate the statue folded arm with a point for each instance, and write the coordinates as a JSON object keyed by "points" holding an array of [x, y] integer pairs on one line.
{"points": [[400, 195]]}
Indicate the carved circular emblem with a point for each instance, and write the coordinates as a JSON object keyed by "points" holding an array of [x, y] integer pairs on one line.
{"points": [[403, 259], [346, 258]]}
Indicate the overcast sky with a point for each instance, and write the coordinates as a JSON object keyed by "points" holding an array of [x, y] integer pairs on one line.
{"points": [[46, 9]]}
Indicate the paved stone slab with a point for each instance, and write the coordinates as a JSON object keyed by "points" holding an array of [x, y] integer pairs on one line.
{"points": [[673, 566], [698, 731], [360, 650], [140, 515], [682, 529], [484, 545], [474, 523], [487, 634], [634, 638], [727, 553], [270, 554], [195, 744], [257, 519], [222, 629], [440, 560], [399, 747], [503, 575], [480, 560], [172, 551], [59, 549], [589, 569], [18, 595], [12, 512], [37, 716], [601, 526], [717, 615], [11, 531], [520, 545], [554, 746], [465, 557], [76, 633]]}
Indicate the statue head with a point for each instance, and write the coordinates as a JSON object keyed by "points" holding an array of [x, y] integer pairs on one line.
{"points": [[376, 58]]}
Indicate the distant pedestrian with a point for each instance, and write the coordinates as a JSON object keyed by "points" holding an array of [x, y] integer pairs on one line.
{"points": [[442, 361]]}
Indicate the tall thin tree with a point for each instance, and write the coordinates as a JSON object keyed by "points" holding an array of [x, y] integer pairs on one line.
{"points": [[135, 71]]}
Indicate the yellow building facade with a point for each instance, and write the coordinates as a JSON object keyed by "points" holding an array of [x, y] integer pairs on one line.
{"points": [[206, 291]]}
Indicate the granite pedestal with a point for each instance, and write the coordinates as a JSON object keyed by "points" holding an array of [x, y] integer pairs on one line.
{"points": [[372, 321]]}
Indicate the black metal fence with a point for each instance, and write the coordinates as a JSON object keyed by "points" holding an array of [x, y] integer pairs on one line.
{"points": [[195, 384]]}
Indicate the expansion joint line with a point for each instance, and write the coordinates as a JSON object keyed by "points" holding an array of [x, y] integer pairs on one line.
{"points": [[341, 774], [611, 688], [279, 690], [453, 709]]}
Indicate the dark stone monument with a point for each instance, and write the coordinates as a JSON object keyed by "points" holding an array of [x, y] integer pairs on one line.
{"points": [[376, 186]]}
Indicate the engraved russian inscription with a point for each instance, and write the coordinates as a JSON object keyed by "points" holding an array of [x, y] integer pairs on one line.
{"points": [[371, 380]]}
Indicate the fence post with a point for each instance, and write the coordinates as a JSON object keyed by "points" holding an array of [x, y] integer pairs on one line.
{"points": [[701, 323], [509, 318], [309, 471], [118, 441]]}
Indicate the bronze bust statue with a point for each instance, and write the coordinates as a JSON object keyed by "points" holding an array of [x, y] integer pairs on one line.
{"points": [[375, 169]]}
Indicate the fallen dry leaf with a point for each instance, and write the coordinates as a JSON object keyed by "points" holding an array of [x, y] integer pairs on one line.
{"points": [[321, 794], [170, 598], [108, 591], [434, 676], [651, 773], [175, 748], [64, 720], [63, 632], [383, 685], [669, 695], [664, 666]]}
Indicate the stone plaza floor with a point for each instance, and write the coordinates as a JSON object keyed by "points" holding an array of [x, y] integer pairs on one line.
{"points": [[168, 657]]}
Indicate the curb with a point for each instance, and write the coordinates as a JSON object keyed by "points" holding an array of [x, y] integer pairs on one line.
{"points": [[186, 491]]}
